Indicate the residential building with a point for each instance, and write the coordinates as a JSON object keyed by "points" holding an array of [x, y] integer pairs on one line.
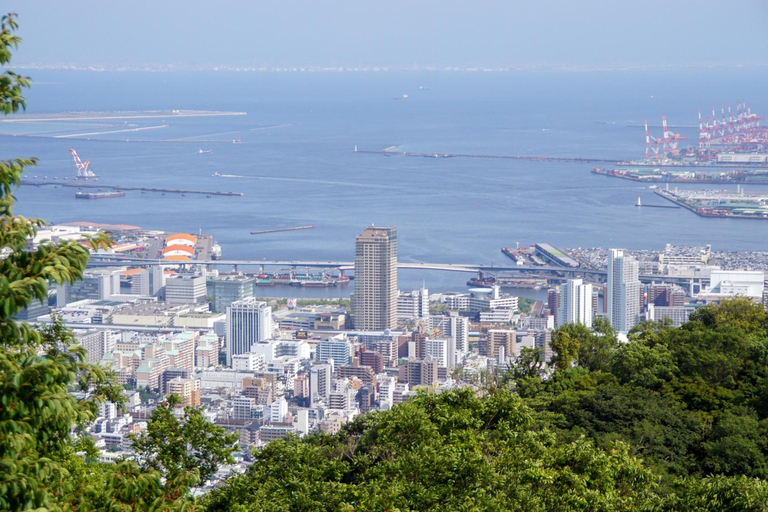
{"points": [[575, 303], [374, 303], [623, 291]]}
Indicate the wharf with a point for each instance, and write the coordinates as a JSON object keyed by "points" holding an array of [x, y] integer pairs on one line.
{"points": [[390, 152], [280, 230], [705, 212], [571, 159], [77, 184]]}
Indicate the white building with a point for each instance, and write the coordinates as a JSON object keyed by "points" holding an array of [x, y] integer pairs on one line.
{"points": [[149, 282], [336, 348], [438, 350], [278, 410], [249, 362], [248, 321], [677, 314], [623, 291], [413, 304], [320, 376], [729, 283], [185, 289], [575, 303]]}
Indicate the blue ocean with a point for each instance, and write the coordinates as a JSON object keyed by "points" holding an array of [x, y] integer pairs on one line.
{"points": [[296, 165]]}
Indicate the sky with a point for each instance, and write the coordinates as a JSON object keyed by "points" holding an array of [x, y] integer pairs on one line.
{"points": [[395, 34]]}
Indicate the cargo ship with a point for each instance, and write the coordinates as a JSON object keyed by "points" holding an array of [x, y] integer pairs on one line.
{"points": [[99, 195]]}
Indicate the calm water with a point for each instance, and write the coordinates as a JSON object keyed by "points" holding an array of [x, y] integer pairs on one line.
{"points": [[296, 163]]}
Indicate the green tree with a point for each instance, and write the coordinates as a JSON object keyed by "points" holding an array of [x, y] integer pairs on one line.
{"points": [[183, 447], [40, 467]]}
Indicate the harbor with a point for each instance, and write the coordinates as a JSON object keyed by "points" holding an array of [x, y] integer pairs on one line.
{"points": [[719, 203], [662, 175]]}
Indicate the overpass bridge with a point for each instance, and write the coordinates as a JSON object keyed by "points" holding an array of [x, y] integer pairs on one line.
{"points": [[105, 260]]}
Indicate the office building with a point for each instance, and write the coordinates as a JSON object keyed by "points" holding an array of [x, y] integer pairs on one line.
{"points": [[374, 304], [185, 289], [248, 321], [230, 288], [148, 281], [96, 284], [623, 291], [576, 303], [336, 348]]}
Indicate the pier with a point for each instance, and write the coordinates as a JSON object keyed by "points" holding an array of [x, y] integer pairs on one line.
{"points": [[76, 184], [280, 230], [389, 151]]}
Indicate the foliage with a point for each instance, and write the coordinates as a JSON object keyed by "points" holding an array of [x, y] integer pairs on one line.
{"points": [[183, 448], [42, 464], [690, 401], [451, 451], [525, 304]]}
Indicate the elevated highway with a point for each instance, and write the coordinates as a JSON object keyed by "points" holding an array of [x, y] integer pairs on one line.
{"points": [[103, 260]]}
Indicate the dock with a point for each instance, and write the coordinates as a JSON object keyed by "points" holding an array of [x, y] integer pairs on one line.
{"points": [[78, 184], [280, 230]]}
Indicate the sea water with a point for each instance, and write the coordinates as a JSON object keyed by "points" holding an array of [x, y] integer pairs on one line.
{"points": [[296, 165]]}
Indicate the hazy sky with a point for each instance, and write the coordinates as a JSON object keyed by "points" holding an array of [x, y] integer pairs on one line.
{"points": [[392, 33]]}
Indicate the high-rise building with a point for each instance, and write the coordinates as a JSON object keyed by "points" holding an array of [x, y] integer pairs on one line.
{"points": [[623, 290], [230, 288], [575, 303], [374, 304], [248, 321]]}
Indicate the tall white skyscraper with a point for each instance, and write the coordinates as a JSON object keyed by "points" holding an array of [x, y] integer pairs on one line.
{"points": [[623, 290], [374, 304], [248, 321], [575, 303]]}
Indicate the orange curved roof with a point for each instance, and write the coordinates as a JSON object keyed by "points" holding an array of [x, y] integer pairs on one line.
{"points": [[178, 247], [182, 236], [178, 257]]}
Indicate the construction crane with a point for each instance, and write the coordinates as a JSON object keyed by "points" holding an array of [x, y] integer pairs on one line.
{"points": [[82, 168]]}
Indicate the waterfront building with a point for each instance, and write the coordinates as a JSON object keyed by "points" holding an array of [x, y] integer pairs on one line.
{"points": [[374, 304], [623, 291], [248, 321], [576, 303]]}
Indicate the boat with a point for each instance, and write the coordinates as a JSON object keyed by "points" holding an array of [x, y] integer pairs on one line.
{"points": [[403, 97], [216, 174], [99, 195], [204, 151]]}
